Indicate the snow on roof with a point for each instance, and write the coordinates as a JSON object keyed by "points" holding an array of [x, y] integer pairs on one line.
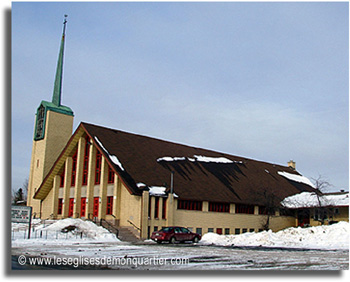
{"points": [[310, 199], [113, 158], [199, 158], [296, 178], [157, 191]]}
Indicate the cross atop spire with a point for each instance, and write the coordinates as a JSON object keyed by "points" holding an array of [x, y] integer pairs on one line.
{"points": [[57, 91]]}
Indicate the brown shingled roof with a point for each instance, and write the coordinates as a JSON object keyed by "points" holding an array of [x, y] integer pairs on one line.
{"points": [[240, 181]]}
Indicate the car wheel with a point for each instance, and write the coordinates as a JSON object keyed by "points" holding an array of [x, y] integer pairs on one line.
{"points": [[195, 240], [172, 240]]}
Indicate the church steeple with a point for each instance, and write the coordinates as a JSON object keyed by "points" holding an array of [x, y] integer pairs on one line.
{"points": [[53, 128], [57, 91]]}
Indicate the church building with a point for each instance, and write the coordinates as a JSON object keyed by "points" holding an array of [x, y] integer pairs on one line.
{"points": [[143, 183]]}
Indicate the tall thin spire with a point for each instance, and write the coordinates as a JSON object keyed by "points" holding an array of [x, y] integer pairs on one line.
{"points": [[56, 97]]}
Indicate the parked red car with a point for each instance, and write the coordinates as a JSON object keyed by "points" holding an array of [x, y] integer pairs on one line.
{"points": [[172, 234]]}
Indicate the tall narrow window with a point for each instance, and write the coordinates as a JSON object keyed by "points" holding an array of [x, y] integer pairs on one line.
{"points": [[98, 167], [95, 206], [71, 207], [164, 208], [86, 161], [156, 207], [60, 206], [149, 206], [74, 168], [110, 175], [83, 207], [109, 205], [62, 177]]}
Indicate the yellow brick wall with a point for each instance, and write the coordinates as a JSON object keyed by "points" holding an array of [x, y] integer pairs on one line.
{"points": [[205, 219], [130, 208]]}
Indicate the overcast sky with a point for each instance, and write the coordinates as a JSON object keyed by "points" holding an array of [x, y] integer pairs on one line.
{"points": [[267, 81]]}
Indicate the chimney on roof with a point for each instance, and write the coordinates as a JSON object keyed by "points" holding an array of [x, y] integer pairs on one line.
{"points": [[291, 164]]}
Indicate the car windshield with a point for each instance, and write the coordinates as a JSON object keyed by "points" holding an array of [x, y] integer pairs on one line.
{"points": [[166, 229]]}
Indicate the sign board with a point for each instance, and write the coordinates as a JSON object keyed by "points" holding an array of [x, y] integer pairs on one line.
{"points": [[21, 214]]}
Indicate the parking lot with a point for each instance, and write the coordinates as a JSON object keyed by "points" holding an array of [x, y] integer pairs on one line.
{"points": [[150, 256]]}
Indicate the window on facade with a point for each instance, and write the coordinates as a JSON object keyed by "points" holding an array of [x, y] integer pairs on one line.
{"points": [[156, 207], [60, 206], [62, 177], [237, 231], [149, 206], [86, 162], [251, 230], [210, 229], [83, 207], [74, 168], [98, 167], [189, 205], [219, 231], [96, 206], [286, 212], [266, 210], [71, 207], [164, 208], [227, 231], [109, 205], [244, 230], [219, 207], [199, 231], [110, 175], [241, 208]]}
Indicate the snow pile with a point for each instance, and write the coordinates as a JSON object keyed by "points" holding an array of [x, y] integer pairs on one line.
{"points": [[66, 229], [296, 178], [311, 199], [113, 158], [91, 229], [330, 237]]}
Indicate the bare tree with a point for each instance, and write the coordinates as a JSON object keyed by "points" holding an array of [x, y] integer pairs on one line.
{"points": [[322, 209], [25, 188], [270, 204]]}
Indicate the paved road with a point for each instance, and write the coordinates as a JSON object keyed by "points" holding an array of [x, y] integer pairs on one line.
{"points": [[175, 257]]}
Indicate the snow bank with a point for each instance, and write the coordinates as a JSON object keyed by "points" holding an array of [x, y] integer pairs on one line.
{"points": [[330, 237], [113, 158], [296, 178], [310, 199], [53, 232]]}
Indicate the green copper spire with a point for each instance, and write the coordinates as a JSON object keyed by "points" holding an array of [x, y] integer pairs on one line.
{"points": [[56, 97]]}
